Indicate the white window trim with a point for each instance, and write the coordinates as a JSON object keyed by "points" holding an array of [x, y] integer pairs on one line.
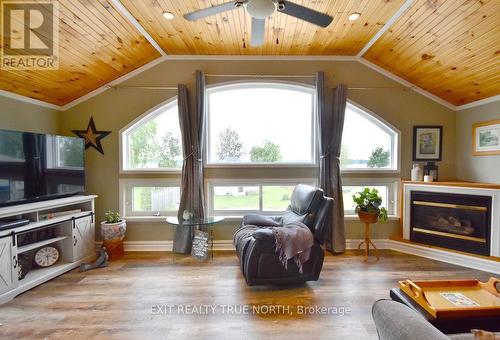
{"points": [[126, 183], [395, 143], [254, 84], [394, 192], [123, 139], [259, 182]]}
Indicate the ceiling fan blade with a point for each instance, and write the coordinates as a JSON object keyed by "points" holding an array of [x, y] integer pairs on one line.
{"points": [[258, 32], [306, 14], [209, 11]]}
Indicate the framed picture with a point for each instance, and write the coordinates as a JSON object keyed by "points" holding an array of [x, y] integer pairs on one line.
{"points": [[427, 143], [486, 138]]}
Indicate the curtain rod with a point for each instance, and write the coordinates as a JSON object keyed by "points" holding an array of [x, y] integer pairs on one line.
{"points": [[175, 88], [144, 87], [263, 75]]}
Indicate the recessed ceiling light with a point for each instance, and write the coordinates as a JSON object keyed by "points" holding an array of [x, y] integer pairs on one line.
{"points": [[168, 15], [354, 16]]}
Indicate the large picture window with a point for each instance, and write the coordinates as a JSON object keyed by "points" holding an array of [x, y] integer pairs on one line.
{"points": [[260, 123], [149, 197], [153, 142], [240, 197], [368, 143], [387, 189]]}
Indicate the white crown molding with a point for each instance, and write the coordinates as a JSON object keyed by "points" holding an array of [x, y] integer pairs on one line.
{"points": [[479, 103], [407, 84], [125, 12], [402, 10], [29, 100], [115, 82]]}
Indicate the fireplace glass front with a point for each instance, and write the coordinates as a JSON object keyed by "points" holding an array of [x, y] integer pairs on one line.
{"points": [[454, 221]]}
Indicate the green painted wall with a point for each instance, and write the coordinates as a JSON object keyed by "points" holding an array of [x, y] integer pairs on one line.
{"points": [[114, 109]]}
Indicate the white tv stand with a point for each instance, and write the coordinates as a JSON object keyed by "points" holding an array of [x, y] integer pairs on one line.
{"points": [[73, 235]]}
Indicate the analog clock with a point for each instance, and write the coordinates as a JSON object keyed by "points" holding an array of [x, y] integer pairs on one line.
{"points": [[46, 256]]}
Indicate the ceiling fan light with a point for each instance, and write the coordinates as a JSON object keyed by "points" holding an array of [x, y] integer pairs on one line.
{"points": [[168, 15], [260, 9], [354, 16]]}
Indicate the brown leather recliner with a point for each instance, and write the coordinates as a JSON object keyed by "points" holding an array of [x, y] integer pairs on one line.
{"points": [[259, 261]]}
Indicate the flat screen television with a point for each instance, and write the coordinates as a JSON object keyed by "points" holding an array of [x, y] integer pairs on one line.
{"points": [[35, 167]]}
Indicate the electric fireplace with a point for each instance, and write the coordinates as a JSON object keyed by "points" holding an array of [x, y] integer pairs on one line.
{"points": [[455, 221]]}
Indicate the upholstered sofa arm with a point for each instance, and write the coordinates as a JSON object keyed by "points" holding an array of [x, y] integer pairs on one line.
{"points": [[395, 321], [262, 220], [264, 234]]}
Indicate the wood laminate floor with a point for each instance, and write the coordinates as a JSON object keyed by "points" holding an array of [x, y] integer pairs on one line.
{"points": [[147, 296]]}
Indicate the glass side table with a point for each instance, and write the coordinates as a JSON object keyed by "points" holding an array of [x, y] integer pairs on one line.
{"points": [[202, 235]]}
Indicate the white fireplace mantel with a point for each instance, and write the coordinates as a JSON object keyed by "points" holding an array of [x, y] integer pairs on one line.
{"points": [[466, 188]]}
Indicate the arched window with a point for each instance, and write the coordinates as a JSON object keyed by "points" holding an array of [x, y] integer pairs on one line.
{"points": [[368, 143], [266, 123], [151, 144], [259, 125], [371, 146], [153, 141]]}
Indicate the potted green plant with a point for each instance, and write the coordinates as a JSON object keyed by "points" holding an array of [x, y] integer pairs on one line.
{"points": [[113, 230], [368, 207]]}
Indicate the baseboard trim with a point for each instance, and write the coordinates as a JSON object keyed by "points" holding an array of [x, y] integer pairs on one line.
{"points": [[458, 259], [166, 245], [463, 260]]}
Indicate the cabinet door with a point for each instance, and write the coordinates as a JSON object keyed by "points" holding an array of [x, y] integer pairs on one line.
{"points": [[83, 238], [8, 265]]}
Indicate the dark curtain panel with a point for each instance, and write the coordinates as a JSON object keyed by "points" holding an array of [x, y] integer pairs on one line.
{"points": [[331, 124], [192, 129]]}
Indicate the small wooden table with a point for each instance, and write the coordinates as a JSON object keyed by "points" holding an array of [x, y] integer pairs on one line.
{"points": [[449, 325], [367, 241]]}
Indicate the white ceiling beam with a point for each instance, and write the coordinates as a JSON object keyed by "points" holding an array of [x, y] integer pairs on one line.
{"points": [[402, 10], [126, 13], [407, 84]]}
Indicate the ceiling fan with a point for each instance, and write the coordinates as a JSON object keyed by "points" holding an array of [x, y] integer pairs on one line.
{"points": [[259, 10]]}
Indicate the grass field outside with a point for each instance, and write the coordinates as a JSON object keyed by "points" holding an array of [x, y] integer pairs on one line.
{"points": [[275, 198]]}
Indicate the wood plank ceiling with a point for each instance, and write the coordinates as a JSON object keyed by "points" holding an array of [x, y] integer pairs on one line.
{"points": [[448, 47], [226, 33], [97, 45]]}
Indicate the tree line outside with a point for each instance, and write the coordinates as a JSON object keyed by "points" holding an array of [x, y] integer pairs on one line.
{"points": [[379, 158], [230, 148], [145, 149]]}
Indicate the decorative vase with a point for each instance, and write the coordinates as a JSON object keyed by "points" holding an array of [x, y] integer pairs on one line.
{"points": [[112, 236], [368, 217], [416, 173]]}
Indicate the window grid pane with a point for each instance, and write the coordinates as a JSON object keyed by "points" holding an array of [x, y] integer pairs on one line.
{"points": [[236, 134], [349, 190], [155, 199], [155, 143], [276, 197], [239, 198], [358, 153]]}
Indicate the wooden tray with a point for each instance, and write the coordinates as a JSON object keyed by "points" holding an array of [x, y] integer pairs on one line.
{"points": [[455, 298]]}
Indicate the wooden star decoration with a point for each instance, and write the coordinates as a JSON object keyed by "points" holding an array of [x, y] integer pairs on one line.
{"points": [[92, 136]]}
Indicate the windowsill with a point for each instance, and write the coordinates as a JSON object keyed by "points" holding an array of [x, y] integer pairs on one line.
{"points": [[260, 165], [150, 172], [161, 219], [356, 218], [155, 219], [368, 171]]}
